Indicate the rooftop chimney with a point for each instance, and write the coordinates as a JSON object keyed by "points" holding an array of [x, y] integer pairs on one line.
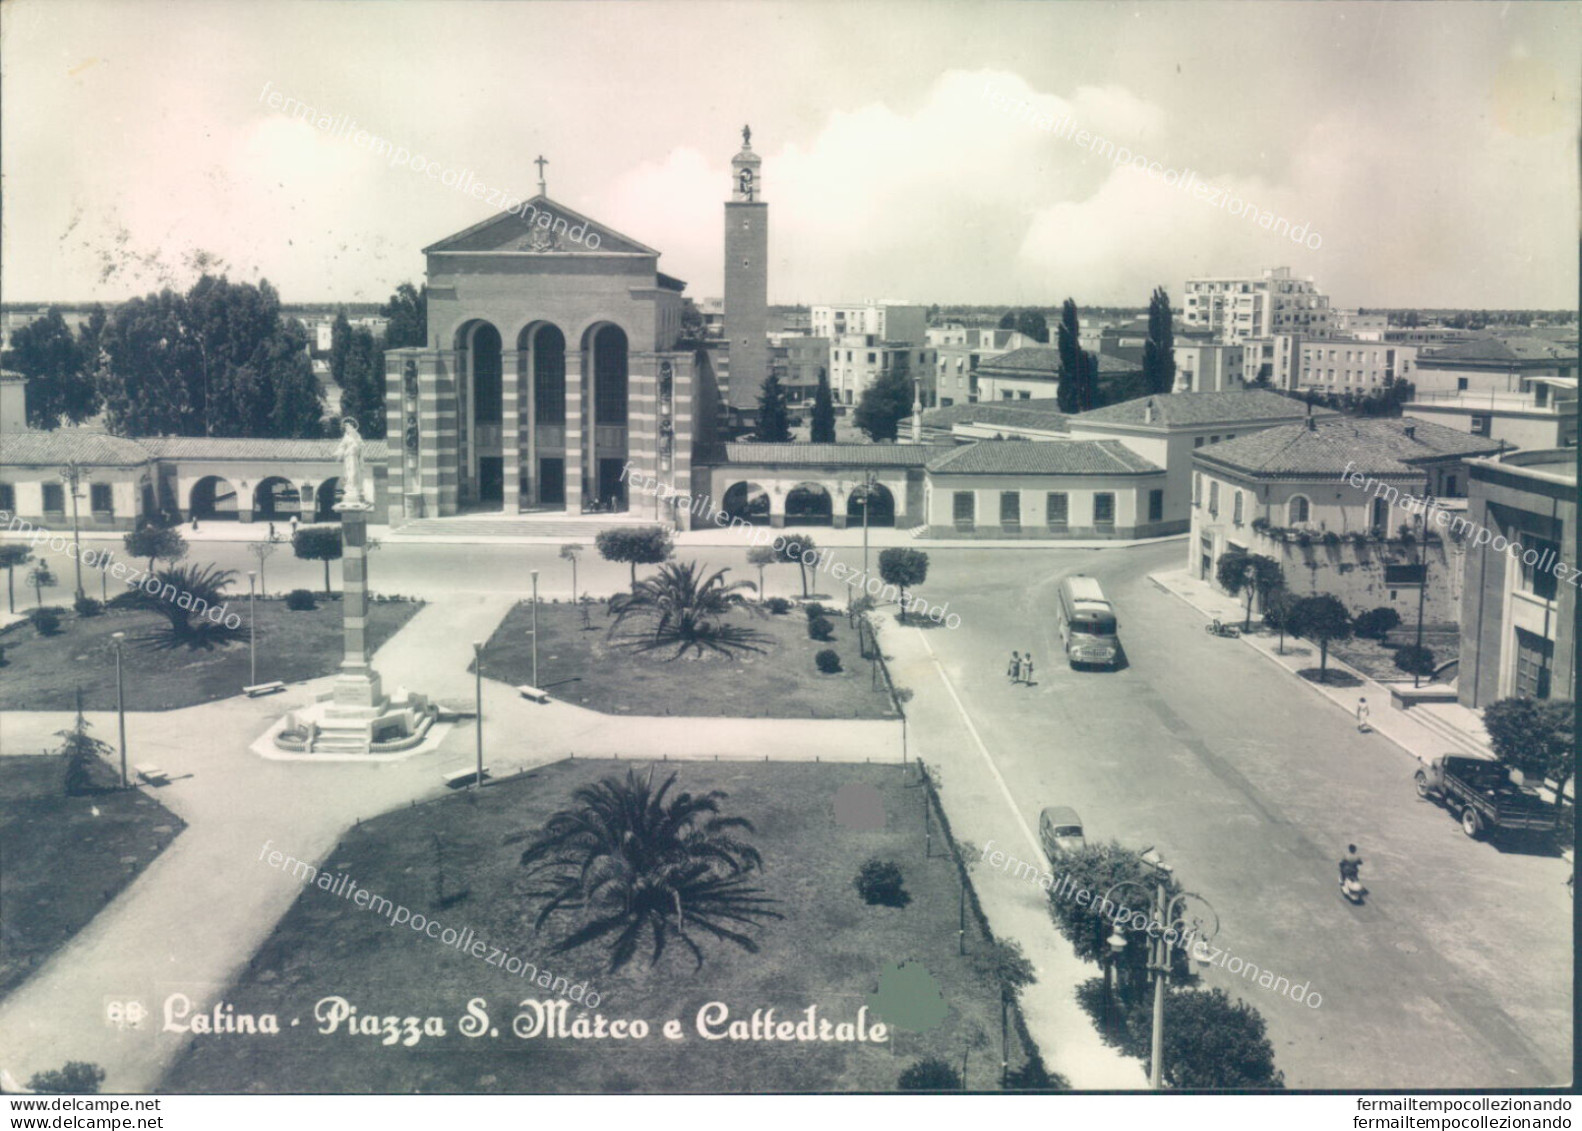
{"points": [[1148, 411], [1411, 431]]}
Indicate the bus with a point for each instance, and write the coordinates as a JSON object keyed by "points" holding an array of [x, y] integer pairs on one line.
{"points": [[1087, 623]]}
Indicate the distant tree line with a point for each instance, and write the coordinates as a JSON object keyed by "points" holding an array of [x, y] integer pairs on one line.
{"points": [[218, 360]]}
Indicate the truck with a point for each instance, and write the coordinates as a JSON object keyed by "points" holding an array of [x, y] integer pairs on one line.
{"points": [[1481, 794]]}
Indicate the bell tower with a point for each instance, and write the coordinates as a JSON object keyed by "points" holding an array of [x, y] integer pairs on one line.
{"points": [[746, 280]]}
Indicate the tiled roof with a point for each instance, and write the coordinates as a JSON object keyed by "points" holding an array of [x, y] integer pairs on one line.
{"points": [[226, 448], [1003, 415], [1512, 349], [1232, 406], [1109, 363], [1056, 457], [1015, 414], [860, 455], [34, 449], [1029, 361], [1344, 445]]}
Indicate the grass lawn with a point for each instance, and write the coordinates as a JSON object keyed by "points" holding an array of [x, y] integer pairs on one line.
{"points": [[62, 864], [1378, 660], [42, 673], [781, 683], [829, 950]]}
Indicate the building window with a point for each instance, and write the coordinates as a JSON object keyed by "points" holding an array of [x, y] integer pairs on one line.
{"points": [[1235, 515], [7, 499], [1213, 439], [964, 510], [54, 498], [1011, 510], [1538, 579], [1197, 488], [1480, 425], [1156, 505], [1197, 441], [101, 498], [1057, 509], [1461, 384], [1213, 498], [1533, 654], [1297, 510], [1005, 394], [1104, 509]]}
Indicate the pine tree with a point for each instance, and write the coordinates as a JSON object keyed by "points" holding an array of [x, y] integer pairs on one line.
{"points": [[823, 410], [884, 404], [774, 420]]}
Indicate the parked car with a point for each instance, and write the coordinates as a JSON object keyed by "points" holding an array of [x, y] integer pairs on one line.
{"points": [[1482, 795], [1060, 831]]}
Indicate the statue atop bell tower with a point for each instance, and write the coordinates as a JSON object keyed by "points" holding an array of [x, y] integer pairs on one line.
{"points": [[746, 183]]}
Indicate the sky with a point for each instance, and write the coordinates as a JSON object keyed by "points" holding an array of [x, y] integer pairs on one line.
{"points": [[1425, 153]]}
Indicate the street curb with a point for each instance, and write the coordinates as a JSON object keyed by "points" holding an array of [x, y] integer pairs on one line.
{"points": [[1275, 660]]}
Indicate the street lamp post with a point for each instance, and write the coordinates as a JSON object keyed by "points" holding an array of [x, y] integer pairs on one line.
{"points": [[120, 702], [1422, 594], [252, 650], [534, 575], [477, 668], [71, 474]]}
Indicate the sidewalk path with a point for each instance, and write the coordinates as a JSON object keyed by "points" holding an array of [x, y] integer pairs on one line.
{"points": [[194, 917], [1422, 741], [979, 805]]}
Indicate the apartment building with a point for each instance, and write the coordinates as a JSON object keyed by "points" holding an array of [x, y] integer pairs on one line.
{"points": [[1209, 367], [870, 338], [1237, 308], [959, 350]]}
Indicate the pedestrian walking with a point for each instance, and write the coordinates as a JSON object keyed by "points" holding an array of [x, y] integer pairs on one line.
{"points": [[1362, 715], [271, 532], [1027, 669], [194, 522], [293, 526], [1015, 670]]}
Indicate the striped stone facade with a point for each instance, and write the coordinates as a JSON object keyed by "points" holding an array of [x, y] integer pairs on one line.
{"points": [[509, 296]]}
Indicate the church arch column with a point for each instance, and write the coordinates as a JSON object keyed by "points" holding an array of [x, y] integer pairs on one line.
{"points": [[510, 429]]}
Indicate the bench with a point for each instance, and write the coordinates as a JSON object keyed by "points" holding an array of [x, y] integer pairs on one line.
{"points": [[457, 777], [151, 773], [533, 693], [269, 688]]}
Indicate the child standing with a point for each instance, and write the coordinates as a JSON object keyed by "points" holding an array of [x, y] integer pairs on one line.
{"points": [[1015, 670]]}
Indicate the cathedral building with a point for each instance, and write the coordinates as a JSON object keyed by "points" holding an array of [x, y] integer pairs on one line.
{"points": [[553, 361]]}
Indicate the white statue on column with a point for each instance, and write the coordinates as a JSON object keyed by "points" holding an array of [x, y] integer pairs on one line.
{"points": [[350, 453]]}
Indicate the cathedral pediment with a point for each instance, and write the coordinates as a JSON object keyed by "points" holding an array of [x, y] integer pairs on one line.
{"points": [[541, 226]]}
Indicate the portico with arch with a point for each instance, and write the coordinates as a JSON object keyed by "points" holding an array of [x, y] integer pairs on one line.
{"points": [[812, 485], [553, 365]]}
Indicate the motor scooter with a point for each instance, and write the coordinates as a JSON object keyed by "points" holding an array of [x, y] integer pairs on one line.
{"points": [[1218, 628], [1351, 887]]}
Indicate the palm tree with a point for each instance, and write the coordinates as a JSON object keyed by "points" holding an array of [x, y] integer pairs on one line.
{"points": [[635, 868], [184, 597], [687, 609]]}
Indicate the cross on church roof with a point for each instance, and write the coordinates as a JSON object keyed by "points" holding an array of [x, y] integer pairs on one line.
{"points": [[541, 162]]}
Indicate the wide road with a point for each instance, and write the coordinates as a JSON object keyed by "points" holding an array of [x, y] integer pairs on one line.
{"points": [[1457, 971]]}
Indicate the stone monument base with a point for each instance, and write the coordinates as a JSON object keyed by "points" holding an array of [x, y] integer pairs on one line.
{"points": [[382, 726]]}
